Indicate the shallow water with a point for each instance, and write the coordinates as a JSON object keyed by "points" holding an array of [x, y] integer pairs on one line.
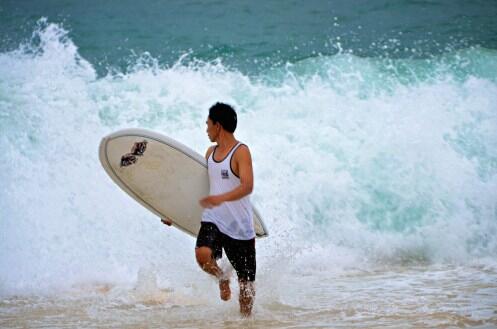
{"points": [[393, 297]]}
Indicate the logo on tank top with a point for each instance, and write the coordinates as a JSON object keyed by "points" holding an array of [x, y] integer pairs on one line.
{"points": [[224, 174]]}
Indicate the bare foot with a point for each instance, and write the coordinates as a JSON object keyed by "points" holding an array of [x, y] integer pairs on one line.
{"points": [[224, 289]]}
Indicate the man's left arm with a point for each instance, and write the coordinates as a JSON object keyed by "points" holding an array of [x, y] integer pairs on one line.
{"points": [[244, 161]]}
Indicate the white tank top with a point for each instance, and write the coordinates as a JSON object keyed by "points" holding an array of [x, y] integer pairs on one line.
{"points": [[233, 218]]}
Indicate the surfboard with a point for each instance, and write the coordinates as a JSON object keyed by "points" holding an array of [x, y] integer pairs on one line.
{"points": [[163, 175]]}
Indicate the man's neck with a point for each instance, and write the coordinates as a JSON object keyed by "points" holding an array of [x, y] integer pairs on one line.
{"points": [[226, 141]]}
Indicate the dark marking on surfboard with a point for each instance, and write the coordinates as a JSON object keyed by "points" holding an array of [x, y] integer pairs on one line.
{"points": [[137, 150]]}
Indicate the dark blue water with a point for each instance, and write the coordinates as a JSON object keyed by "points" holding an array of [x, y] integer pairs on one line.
{"points": [[254, 35]]}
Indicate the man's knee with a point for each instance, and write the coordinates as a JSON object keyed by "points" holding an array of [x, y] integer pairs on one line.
{"points": [[203, 255]]}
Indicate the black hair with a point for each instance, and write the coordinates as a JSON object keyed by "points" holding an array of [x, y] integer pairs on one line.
{"points": [[225, 115]]}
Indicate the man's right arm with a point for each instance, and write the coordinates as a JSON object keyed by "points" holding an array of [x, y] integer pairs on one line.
{"points": [[209, 152]]}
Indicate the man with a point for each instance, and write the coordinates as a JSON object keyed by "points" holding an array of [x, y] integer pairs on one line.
{"points": [[227, 218]]}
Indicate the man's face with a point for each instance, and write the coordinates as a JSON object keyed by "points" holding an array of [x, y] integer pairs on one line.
{"points": [[212, 130]]}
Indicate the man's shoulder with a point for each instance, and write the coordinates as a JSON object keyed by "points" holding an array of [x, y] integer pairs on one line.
{"points": [[242, 150], [209, 151], [243, 147]]}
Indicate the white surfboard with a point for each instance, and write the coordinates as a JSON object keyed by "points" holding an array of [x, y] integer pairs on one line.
{"points": [[163, 175]]}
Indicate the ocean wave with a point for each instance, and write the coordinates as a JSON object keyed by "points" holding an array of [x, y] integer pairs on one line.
{"points": [[356, 159]]}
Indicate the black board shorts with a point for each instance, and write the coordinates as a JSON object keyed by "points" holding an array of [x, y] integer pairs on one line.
{"points": [[240, 253]]}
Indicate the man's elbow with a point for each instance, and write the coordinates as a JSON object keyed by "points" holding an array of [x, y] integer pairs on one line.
{"points": [[249, 187]]}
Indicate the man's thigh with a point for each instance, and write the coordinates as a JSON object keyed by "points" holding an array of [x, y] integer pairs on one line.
{"points": [[209, 236]]}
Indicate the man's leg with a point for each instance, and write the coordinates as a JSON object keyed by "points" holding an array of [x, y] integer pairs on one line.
{"points": [[208, 249], [241, 254], [208, 263]]}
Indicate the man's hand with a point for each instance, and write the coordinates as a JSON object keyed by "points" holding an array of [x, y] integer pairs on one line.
{"points": [[166, 221], [211, 201]]}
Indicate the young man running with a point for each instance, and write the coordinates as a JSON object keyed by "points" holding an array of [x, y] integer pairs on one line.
{"points": [[227, 218]]}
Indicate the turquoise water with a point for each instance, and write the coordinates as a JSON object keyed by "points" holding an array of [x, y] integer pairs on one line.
{"points": [[372, 127], [256, 35]]}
